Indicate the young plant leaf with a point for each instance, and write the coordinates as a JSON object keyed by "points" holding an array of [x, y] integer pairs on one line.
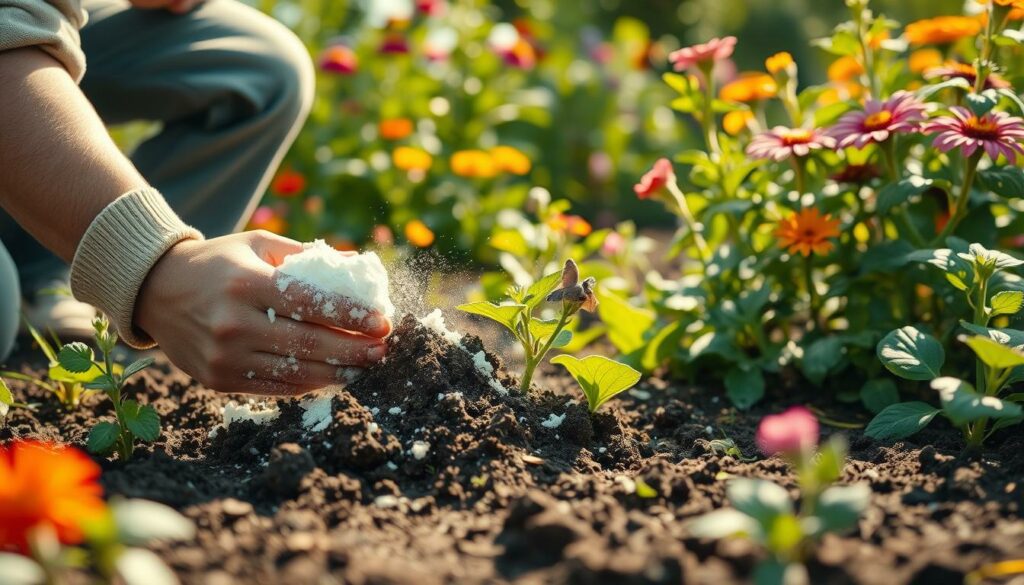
{"points": [[539, 290], [899, 421], [504, 314], [626, 323], [563, 339], [1007, 302], [142, 521], [744, 386], [962, 404], [911, 354], [75, 357], [760, 499], [785, 533], [839, 507], [136, 367], [878, 394], [831, 459], [1009, 337], [599, 377], [723, 523], [142, 421], [102, 438], [894, 194], [994, 354], [821, 357], [6, 398], [541, 329], [1007, 181]]}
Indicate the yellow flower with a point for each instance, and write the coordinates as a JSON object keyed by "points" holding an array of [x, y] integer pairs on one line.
{"points": [[511, 160], [807, 231], [845, 69], [923, 59], [942, 30], [779, 62], [750, 87], [474, 164], [408, 158], [395, 128], [418, 234], [737, 121], [569, 224]]}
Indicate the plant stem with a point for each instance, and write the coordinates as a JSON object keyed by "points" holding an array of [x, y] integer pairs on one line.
{"points": [[691, 222], [866, 54], [707, 119], [531, 364], [812, 294], [900, 216], [981, 371], [800, 175], [956, 214]]}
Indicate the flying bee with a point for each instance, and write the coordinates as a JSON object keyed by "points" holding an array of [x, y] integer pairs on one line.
{"points": [[575, 291]]}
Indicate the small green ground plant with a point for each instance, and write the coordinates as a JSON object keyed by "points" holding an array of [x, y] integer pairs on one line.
{"points": [[134, 421]]}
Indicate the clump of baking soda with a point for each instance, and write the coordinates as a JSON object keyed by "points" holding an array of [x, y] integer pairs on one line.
{"points": [[360, 278]]}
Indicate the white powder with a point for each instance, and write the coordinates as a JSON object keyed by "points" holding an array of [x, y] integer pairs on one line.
{"points": [[358, 313], [440, 396], [386, 501], [396, 410], [318, 412], [272, 315], [250, 374], [482, 365], [553, 421], [259, 412], [420, 449], [359, 277], [435, 322]]}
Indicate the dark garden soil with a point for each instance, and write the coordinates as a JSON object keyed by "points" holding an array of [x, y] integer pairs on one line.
{"points": [[498, 497]]}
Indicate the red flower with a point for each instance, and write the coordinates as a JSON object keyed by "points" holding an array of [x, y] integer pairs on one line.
{"points": [[288, 183], [394, 44], [655, 179], [339, 59], [432, 7]]}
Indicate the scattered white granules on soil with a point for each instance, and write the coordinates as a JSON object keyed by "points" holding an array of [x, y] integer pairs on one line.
{"points": [[259, 412], [396, 410], [386, 501], [553, 421], [272, 315], [420, 449], [318, 412], [435, 321], [487, 370], [359, 277]]}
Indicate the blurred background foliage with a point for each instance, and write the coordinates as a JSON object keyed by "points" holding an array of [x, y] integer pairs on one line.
{"points": [[583, 101]]}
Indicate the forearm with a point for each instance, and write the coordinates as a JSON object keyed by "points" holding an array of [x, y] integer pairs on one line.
{"points": [[58, 165]]}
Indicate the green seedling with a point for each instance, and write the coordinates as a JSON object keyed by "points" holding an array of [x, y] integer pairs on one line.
{"points": [[539, 336], [915, 355], [600, 378], [134, 421]]}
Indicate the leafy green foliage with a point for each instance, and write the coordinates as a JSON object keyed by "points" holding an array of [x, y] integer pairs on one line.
{"points": [[901, 420], [600, 378], [911, 354]]}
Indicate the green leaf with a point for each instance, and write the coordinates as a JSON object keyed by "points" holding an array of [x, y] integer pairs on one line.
{"points": [[142, 521], [995, 354], [723, 523], [1006, 181], [1009, 337], [102, 438], [929, 90], [136, 367], [830, 460], [1007, 302], [744, 386], [993, 259], [644, 490], [911, 354], [75, 357], [820, 358], [901, 420], [506, 315], [760, 499], [785, 533], [962, 404], [599, 377], [563, 339], [626, 323], [839, 507], [6, 398], [878, 394], [894, 194], [541, 329], [539, 290], [981, 103], [142, 421]]}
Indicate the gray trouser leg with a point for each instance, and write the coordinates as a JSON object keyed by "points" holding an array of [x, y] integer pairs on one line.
{"points": [[231, 87], [10, 303]]}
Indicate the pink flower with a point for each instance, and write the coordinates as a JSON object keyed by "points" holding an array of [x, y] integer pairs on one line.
{"points": [[432, 7], [713, 50], [780, 143], [996, 132], [793, 432], [899, 114], [339, 59], [394, 44], [613, 245], [655, 179]]}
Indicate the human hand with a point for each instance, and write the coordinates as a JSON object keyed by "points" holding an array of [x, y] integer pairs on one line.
{"points": [[175, 6], [205, 303]]}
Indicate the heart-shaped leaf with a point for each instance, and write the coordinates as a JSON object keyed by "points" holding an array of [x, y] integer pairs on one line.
{"points": [[899, 421], [75, 357], [911, 354], [599, 377]]}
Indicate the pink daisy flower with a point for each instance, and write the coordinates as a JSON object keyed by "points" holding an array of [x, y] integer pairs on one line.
{"points": [[878, 121], [713, 50], [780, 143], [996, 132]]}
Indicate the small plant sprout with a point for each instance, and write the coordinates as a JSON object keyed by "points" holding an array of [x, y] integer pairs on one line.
{"points": [[600, 378], [763, 510], [539, 336], [133, 420]]}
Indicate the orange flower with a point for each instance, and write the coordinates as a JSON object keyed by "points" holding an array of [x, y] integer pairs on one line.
{"points": [[474, 164], [845, 69], [408, 158], [942, 30], [807, 231], [750, 87], [42, 485], [569, 224], [737, 121], [418, 234], [511, 160], [923, 59], [264, 218], [1017, 7], [395, 128], [288, 183], [779, 62]]}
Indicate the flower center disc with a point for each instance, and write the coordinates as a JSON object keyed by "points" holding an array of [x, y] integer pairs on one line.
{"points": [[791, 137], [878, 120], [984, 127]]}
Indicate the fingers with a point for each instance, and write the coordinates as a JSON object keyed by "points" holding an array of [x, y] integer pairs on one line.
{"points": [[269, 388], [272, 248], [294, 371], [311, 305], [320, 344]]}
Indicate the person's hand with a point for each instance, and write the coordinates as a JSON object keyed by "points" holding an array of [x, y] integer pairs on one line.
{"points": [[175, 6], [206, 302]]}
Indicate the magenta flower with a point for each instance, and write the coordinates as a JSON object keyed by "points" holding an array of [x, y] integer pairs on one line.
{"points": [[780, 143], [899, 114], [713, 50], [996, 132], [793, 432]]}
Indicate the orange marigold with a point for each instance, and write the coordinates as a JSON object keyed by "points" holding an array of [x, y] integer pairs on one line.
{"points": [[44, 485], [844, 69], [750, 87], [474, 164], [288, 183], [408, 158], [942, 30], [570, 224], [737, 121], [418, 234], [807, 231], [779, 62], [395, 128], [511, 160], [923, 59]]}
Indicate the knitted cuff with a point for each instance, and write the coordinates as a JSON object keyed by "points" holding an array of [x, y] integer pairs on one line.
{"points": [[117, 252]]}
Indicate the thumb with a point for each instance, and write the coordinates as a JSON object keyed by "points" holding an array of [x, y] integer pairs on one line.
{"points": [[272, 248]]}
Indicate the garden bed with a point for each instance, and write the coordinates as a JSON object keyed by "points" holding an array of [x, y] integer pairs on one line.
{"points": [[427, 474]]}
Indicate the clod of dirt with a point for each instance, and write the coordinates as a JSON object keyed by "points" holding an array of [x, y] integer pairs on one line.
{"points": [[289, 464]]}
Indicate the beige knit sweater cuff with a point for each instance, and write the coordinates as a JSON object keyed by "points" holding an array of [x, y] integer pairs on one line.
{"points": [[117, 252]]}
